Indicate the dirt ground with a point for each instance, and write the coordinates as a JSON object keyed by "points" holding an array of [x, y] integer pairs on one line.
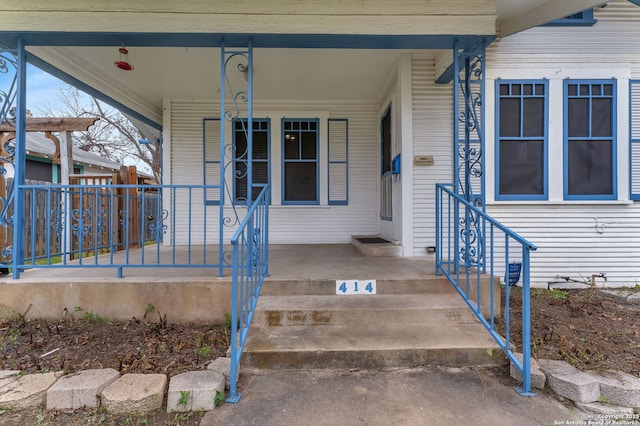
{"points": [[585, 328], [82, 340]]}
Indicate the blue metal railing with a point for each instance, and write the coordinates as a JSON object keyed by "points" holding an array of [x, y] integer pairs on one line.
{"points": [[250, 265], [105, 225], [473, 249]]}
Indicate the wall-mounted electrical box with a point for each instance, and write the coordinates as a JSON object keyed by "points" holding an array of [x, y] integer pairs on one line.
{"points": [[395, 165]]}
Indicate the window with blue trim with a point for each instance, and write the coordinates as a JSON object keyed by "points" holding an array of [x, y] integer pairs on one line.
{"points": [[521, 142], [300, 161], [589, 139], [260, 157]]}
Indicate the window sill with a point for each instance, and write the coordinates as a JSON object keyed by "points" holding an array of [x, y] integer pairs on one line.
{"points": [[299, 206], [559, 202]]}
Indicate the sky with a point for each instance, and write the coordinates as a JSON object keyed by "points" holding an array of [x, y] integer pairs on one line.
{"points": [[43, 93]]}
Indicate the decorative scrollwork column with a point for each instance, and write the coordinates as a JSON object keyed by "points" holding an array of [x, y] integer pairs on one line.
{"points": [[469, 150], [236, 86]]}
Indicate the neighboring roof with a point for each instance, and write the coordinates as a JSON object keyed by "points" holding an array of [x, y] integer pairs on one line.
{"points": [[38, 145]]}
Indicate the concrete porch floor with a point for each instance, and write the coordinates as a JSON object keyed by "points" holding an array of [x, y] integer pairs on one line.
{"points": [[286, 262], [189, 294]]}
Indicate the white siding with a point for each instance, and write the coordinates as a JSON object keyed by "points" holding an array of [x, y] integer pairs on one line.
{"points": [[288, 224], [432, 135], [574, 239]]}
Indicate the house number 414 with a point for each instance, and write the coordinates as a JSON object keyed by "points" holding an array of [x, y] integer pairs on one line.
{"points": [[352, 287]]}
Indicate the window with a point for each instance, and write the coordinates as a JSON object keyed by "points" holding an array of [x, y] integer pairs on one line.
{"points": [[260, 158], [386, 178], [300, 161], [521, 152], [589, 140]]}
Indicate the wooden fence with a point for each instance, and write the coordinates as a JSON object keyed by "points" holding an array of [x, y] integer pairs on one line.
{"points": [[101, 219]]}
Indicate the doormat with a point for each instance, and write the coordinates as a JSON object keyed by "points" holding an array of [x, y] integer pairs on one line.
{"points": [[372, 240]]}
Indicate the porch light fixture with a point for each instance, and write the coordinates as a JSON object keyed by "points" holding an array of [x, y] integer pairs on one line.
{"points": [[123, 60]]}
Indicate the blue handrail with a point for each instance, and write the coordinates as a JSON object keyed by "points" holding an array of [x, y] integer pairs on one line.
{"points": [[468, 242], [250, 265]]}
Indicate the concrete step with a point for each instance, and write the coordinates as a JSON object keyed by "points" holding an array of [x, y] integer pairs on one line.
{"points": [[370, 346], [346, 310], [427, 285]]}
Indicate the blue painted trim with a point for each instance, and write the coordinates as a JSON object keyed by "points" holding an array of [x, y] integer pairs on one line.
{"points": [[383, 175], [309, 41], [447, 75], [50, 69], [284, 161], [632, 83], [205, 162], [580, 19], [268, 160], [612, 139], [345, 162], [545, 149]]}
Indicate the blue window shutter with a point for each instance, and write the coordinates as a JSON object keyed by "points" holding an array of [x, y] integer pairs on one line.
{"points": [[338, 175], [211, 159], [634, 132]]}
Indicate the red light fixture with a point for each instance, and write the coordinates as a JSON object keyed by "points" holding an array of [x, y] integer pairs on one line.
{"points": [[123, 58]]}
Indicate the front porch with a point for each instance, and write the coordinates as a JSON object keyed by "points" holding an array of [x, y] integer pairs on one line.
{"points": [[190, 293]]}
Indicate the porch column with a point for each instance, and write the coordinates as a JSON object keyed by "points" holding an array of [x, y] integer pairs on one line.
{"points": [[19, 159], [468, 153], [236, 83]]}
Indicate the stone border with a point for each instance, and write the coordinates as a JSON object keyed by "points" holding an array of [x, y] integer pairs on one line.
{"points": [[609, 395], [196, 390]]}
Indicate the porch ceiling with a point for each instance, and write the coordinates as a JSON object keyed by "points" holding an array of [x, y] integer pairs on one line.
{"points": [[87, 53], [186, 72]]}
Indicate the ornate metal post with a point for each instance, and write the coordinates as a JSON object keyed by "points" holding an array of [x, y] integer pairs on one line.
{"points": [[14, 153], [468, 151], [236, 83]]}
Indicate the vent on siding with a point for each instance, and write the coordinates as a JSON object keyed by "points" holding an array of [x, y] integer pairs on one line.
{"points": [[386, 208]]}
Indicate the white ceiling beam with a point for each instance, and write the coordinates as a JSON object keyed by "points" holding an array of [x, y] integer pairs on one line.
{"points": [[541, 14]]}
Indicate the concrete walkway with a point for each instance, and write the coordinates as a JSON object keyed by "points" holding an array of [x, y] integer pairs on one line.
{"points": [[419, 396]]}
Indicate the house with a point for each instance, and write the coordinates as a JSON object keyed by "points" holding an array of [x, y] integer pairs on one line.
{"points": [[419, 123], [352, 122], [41, 166]]}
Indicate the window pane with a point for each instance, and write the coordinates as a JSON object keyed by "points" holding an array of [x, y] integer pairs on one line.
{"points": [[300, 181], [521, 167], [260, 146], [533, 117], [590, 168], [308, 146], [509, 117], [241, 145], [539, 89], [528, 89], [515, 89], [291, 146], [578, 116], [260, 172], [608, 89], [601, 118], [584, 89], [573, 89], [504, 89]]}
